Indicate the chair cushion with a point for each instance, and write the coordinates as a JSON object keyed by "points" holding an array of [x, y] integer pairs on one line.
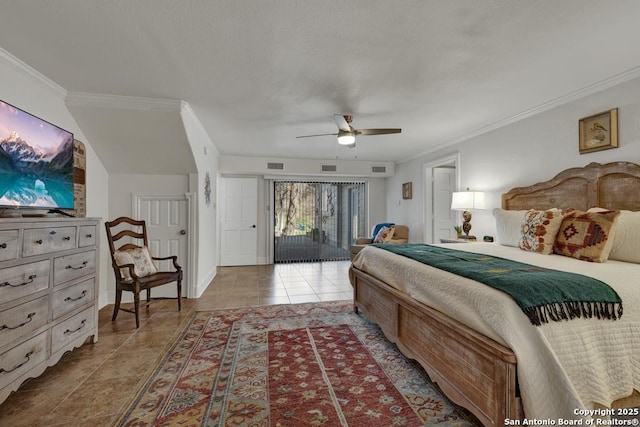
{"points": [[143, 264]]}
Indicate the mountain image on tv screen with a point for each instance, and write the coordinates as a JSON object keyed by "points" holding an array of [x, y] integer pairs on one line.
{"points": [[36, 161]]}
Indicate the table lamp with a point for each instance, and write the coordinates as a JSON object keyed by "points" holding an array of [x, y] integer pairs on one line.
{"points": [[465, 201]]}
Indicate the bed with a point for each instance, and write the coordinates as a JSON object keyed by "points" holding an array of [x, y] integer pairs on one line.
{"points": [[469, 347]]}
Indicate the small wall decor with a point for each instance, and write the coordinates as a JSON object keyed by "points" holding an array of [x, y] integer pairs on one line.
{"points": [[406, 190], [207, 189], [599, 132]]}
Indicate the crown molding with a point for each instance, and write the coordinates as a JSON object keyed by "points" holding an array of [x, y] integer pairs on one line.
{"points": [[557, 102], [99, 100], [22, 68]]}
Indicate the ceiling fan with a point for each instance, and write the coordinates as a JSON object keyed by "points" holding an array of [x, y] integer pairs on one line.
{"points": [[347, 133]]}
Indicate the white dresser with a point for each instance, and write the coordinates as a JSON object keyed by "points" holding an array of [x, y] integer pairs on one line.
{"points": [[48, 293]]}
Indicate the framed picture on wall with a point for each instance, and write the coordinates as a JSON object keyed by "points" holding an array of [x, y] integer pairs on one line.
{"points": [[406, 190], [599, 132]]}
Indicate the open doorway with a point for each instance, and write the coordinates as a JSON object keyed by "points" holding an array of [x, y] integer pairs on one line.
{"points": [[316, 221], [441, 180]]}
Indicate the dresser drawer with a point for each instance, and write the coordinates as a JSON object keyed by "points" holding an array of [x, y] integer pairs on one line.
{"points": [[21, 358], [87, 236], [72, 297], [73, 266], [37, 241], [8, 244], [72, 328], [23, 319], [22, 280]]}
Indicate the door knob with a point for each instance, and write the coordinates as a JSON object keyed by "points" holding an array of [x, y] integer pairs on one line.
{"points": [[183, 232], [253, 226]]}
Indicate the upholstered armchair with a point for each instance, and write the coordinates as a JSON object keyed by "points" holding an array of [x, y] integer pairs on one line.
{"points": [[400, 235]]}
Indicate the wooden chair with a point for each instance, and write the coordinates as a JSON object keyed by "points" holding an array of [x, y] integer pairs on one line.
{"points": [[133, 276]]}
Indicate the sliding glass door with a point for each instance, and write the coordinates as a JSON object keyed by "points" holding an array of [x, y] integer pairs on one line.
{"points": [[317, 221]]}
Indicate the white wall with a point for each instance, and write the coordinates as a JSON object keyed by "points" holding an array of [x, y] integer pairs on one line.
{"points": [[122, 186], [531, 150], [206, 157], [41, 97], [303, 167]]}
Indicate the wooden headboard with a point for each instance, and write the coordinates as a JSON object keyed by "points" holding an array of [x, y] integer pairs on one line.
{"points": [[613, 185]]}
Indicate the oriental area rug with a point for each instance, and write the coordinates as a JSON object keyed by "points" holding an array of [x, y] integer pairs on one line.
{"points": [[316, 364]]}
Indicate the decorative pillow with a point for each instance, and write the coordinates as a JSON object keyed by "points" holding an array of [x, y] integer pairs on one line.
{"points": [[626, 244], [377, 227], [539, 229], [587, 236], [384, 235], [508, 224], [143, 264]]}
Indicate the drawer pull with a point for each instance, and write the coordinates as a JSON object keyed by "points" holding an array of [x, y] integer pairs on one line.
{"points": [[28, 356], [70, 267], [39, 241], [33, 276], [88, 236], [3, 246], [30, 316], [69, 331], [84, 294], [52, 232], [66, 238]]}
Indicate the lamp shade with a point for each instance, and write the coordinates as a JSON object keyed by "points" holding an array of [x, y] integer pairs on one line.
{"points": [[465, 200]]}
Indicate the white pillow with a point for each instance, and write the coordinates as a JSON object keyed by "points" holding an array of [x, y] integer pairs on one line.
{"points": [[508, 226], [626, 242], [143, 264]]}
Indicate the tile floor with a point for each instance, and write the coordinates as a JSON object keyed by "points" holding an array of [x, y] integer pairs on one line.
{"points": [[92, 385]]}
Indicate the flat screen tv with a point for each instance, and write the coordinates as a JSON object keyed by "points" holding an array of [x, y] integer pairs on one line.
{"points": [[36, 162]]}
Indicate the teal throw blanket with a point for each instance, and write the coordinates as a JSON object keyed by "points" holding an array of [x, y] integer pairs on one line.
{"points": [[542, 294]]}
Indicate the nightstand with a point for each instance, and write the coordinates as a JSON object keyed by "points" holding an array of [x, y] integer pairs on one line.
{"points": [[457, 240]]}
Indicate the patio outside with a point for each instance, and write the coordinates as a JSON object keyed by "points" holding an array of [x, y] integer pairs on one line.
{"points": [[316, 221]]}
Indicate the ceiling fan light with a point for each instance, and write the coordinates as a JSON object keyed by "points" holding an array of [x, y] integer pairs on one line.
{"points": [[346, 139]]}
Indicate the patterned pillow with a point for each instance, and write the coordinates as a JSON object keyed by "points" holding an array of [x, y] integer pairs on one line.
{"points": [[539, 229], [587, 236], [143, 264], [384, 235]]}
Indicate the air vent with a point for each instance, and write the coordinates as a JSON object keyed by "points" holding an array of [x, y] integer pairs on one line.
{"points": [[279, 166], [378, 169], [329, 168]]}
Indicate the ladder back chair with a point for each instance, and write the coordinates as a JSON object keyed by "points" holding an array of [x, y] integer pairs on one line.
{"points": [[133, 264]]}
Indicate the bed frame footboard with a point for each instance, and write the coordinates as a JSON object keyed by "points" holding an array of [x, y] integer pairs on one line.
{"points": [[474, 371]]}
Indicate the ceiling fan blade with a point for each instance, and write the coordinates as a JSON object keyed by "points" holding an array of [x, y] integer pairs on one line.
{"points": [[320, 134], [342, 123], [377, 131]]}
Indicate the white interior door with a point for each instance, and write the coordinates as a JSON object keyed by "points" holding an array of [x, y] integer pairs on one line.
{"points": [[444, 219], [239, 221], [167, 227]]}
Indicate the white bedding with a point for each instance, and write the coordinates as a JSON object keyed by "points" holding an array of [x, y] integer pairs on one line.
{"points": [[562, 366]]}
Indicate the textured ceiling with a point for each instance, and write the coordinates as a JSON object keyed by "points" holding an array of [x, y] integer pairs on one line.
{"points": [[259, 73]]}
